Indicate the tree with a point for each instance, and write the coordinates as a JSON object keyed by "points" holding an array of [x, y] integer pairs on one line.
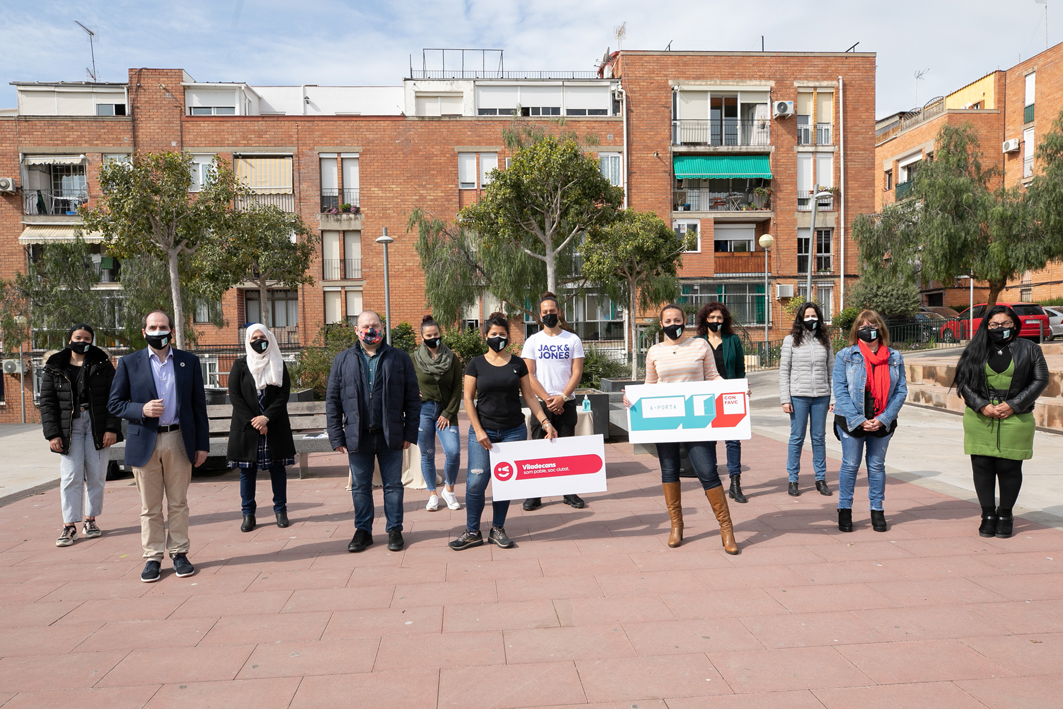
{"points": [[889, 297], [146, 208], [636, 258], [1045, 192]]}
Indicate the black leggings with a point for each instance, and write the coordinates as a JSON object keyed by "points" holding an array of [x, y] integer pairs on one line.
{"points": [[987, 472]]}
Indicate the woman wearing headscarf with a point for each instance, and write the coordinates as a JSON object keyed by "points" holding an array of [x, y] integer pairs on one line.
{"points": [[260, 435], [74, 390], [1000, 376], [440, 380]]}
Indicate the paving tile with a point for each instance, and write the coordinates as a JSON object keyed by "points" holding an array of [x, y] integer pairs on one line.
{"points": [[1024, 617], [601, 611], [105, 588], [798, 699], [859, 550], [699, 605], [21, 615], [646, 583], [583, 564], [941, 567], [676, 637], [673, 560], [431, 594], [928, 622], [920, 661], [31, 591], [508, 615], [842, 596], [936, 592], [350, 598], [297, 658], [526, 685], [866, 571], [175, 665], [773, 556], [223, 604], [47, 640], [1016, 692], [580, 642], [302, 579], [384, 621], [811, 629], [145, 608], [204, 584], [611, 680], [259, 693], [941, 695], [786, 669], [110, 697], [443, 650], [1023, 654], [146, 634], [534, 589], [1024, 587], [471, 570], [34, 673], [387, 575], [272, 627], [731, 578]]}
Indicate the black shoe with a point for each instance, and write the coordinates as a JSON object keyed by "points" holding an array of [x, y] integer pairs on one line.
{"points": [[182, 566], [1004, 526], [532, 503], [821, 485], [361, 540], [573, 501], [499, 538], [793, 491], [249, 523], [467, 540], [395, 541], [845, 520], [152, 572], [878, 520], [282, 519], [736, 489], [988, 528]]}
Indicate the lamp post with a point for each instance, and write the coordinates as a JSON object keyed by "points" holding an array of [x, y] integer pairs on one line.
{"points": [[766, 243], [812, 240], [970, 307], [385, 240]]}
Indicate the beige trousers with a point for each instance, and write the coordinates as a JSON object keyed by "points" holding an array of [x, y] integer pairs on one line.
{"points": [[169, 471]]}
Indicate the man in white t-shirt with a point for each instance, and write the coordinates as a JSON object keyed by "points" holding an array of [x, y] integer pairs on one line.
{"points": [[555, 361]]}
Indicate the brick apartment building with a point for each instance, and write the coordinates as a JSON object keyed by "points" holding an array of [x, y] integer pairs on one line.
{"points": [[1008, 109], [689, 135]]}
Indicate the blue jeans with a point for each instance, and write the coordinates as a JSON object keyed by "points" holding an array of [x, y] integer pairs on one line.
{"points": [[374, 448], [479, 474], [734, 456], [278, 477], [702, 458], [426, 441], [852, 452], [806, 408]]}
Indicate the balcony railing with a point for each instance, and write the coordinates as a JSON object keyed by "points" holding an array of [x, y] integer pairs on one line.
{"points": [[350, 196], [1027, 167], [704, 200], [285, 335], [824, 134], [352, 268], [330, 198], [804, 133], [722, 132], [750, 263], [824, 263], [804, 204], [903, 188], [55, 201], [337, 269], [284, 202]]}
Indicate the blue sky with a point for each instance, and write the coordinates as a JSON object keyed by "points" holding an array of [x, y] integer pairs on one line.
{"points": [[332, 42]]}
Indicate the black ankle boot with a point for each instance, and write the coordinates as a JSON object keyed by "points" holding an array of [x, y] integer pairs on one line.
{"points": [[988, 528], [249, 523], [1004, 523], [736, 489], [282, 518], [878, 520], [845, 520]]}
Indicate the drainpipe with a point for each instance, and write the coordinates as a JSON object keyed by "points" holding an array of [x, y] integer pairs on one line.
{"points": [[626, 158], [841, 140]]}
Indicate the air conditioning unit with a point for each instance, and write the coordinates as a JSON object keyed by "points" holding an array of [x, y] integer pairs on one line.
{"points": [[782, 109], [1011, 146], [14, 366], [784, 290], [7, 184]]}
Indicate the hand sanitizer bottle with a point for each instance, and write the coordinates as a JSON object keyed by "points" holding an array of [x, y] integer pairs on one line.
{"points": [[586, 403]]}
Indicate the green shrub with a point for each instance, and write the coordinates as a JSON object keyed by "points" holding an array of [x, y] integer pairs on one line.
{"points": [[404, 337], [843, 321], [465, 343], [598, 365], [315, 362]]}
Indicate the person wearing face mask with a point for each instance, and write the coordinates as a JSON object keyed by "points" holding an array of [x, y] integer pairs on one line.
{"points": [[372, 408], [494, 383], [999, 376], [159, 391], [439, 378], [77, 425], [554, 357], [714, 326], [686, 360], [869, 391], [260, 433], [806, 366]]}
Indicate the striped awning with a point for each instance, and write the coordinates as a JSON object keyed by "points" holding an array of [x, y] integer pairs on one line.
{"points": [[53, 233], [267, 175], [54, 159], [721, 166]]}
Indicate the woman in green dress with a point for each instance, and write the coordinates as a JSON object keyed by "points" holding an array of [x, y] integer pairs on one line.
{"points": [[999, 377]]}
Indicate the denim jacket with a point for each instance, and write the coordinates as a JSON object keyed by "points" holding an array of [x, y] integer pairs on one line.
{"points": [[850, 376]]}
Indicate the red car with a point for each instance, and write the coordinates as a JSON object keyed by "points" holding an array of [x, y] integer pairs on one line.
{"points": [[1034, 322]]}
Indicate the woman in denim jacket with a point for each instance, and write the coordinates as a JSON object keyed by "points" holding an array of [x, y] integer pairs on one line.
{"points": [[869, 390]]}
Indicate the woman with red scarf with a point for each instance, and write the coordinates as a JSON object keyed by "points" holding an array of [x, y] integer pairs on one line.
{"points": [[869, 391]]}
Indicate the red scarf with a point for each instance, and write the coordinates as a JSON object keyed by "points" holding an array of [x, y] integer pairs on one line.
{"points": [[878, 377]]}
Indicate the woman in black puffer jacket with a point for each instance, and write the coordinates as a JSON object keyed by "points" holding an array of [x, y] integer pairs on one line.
{"points": [[74, 390]]}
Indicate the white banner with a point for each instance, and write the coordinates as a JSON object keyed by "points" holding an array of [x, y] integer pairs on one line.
{"points": [[689, 411], [563, 466]]}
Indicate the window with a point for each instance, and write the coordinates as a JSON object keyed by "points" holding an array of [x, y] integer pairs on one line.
{"points": [[825, 298], [744, 300], [330, 256], [587, 100], [264, 175], [824, 117], [908, 167], [1027, 152], [333, 303], [110, 109], [352, 254], [734, 238], [540, 110], [354, 306], [1025, 295], [488, 162], [888, 180], [1031, 90], [350, 179], [685, 228], [804, 118], [283, 308], [203, 311], [825, 178], [212, 111], [467, 171], [610, 167], [496, 100], [330, 181], [593, 316], [439, 105], [804, 181], [202, 169], [123, 158], [823, 251]]}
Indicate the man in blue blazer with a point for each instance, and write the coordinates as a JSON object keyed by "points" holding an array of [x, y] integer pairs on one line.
{"points": [[159, 390]]}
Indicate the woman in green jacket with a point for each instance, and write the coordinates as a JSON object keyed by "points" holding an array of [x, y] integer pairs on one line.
{"points": [[714, 326], [439, 377]]}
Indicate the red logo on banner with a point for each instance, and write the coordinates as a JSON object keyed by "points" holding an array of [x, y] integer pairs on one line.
{"points": [[557, 467], [503, 471], [730, 409]]}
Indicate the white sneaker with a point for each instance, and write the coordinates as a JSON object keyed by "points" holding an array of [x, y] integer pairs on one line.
{"points": [[433, 503], [451, 499]]}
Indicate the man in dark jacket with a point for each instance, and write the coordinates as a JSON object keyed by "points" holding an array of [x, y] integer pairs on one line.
{"points": [[372, 407]]}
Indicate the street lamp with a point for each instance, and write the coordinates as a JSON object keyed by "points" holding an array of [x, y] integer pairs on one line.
{"points": [[812, 240], [766, 243], [970, 308], [385, 240]]}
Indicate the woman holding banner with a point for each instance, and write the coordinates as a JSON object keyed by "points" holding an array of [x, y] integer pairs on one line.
{"points": [[689, 360], [494, 383]]}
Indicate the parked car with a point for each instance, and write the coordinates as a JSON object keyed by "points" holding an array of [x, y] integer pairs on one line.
{"points": [[1055, 321], [922, 327], [947, 313], [1034, 322]]}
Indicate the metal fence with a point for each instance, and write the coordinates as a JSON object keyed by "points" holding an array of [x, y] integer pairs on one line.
{"points": [[722, 132]]}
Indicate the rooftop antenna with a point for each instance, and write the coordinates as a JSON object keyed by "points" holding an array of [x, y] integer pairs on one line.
{"points": [[920, 74], [1045, 3], [669, 47], [92, 51], [620, 32], [852, 48]]}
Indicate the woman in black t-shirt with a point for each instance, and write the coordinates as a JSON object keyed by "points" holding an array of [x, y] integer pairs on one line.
{"points": [[493, 385]]}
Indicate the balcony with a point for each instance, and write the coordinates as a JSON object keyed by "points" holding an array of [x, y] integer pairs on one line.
{"points": [[725, 132], [826, 204], [339, 269], [284, 202], [824, 264], [903, 188], [1027, 168], [750, 263], [824, 134], [330, 199], [705, 200], [55, 202]]}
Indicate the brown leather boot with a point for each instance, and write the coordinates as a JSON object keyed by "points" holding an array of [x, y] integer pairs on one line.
{"points": [[673, 500], [718, 500]]}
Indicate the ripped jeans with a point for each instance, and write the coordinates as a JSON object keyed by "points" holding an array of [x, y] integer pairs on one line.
{"points": [[479, 474]]}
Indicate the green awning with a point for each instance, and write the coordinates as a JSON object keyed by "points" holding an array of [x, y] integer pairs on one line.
{"points": [[721, 166]]}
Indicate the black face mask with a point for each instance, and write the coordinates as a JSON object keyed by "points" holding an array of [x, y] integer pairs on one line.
{"points": [[497, 344], [431, 342], [672, 332], [80, 347], [550, 320], [260, 345], [1000, 336], [867, 334], [157, 340], [811, 325], [715, 326]]}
